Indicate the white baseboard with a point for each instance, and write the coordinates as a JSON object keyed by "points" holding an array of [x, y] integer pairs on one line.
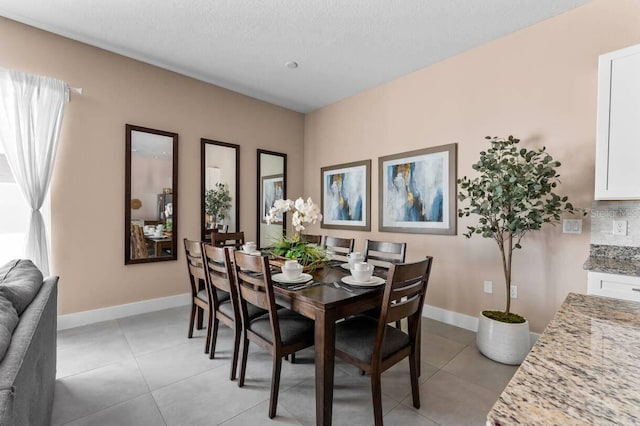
{"points": [[120, 311], [450, 317], [460, 320]]}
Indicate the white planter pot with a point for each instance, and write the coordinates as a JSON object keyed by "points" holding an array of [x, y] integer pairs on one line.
{"points": [[503, 342]]}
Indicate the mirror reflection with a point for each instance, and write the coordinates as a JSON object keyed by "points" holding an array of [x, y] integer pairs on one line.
{"points": [[220, 187], [151, 199], [272, 185]]}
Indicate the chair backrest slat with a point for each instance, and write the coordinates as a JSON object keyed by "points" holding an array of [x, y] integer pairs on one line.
{"points": [[227, 239], [218, 267], [384, 253], [341, 247]]}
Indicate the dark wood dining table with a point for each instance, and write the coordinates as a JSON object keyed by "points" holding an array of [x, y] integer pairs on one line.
{"points": [[325, 304], [159, 243]]}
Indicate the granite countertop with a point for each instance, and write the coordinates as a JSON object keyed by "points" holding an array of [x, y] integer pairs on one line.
{"points": [[584, 369], [614, 260]]}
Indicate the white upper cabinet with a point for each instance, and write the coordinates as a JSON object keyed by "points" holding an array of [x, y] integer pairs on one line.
{"points": [[618, 135]]}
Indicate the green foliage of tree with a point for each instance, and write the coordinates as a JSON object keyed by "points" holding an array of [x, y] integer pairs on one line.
{"points": [[217, 201], [513, 194]]}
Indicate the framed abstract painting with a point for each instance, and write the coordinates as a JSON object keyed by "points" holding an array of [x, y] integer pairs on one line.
{"points": [[272, 190], [346, 196], [417, 191]]}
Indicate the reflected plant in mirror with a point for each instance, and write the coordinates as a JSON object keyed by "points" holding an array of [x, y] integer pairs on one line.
{"points": [[217, 202], [151, 181], [220, 187]]}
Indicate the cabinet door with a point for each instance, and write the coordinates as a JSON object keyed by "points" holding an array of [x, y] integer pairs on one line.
{"points": [[618, 135]]}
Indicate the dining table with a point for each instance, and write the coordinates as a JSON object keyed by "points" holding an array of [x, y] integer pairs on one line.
{"points": [[326, 300], [159, 242]]}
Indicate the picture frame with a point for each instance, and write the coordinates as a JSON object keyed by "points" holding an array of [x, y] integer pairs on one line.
{"points": [[417, 191], [272, 189], [345, 198]]}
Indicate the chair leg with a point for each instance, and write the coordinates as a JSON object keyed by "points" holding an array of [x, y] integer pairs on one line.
{"points": [[293, 358], [399, 325], [192, 320], [376, 394], [243, 363], [413, 372], [214, 337], [200, 316], [207, 343], [236, 349], [275, 385]]}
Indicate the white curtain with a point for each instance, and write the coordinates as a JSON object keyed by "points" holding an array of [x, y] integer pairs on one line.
{"points": [[31, 111]]}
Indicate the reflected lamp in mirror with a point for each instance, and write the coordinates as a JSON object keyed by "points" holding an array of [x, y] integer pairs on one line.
{"points": [[220, 187], [271, 185], [151, 199]]}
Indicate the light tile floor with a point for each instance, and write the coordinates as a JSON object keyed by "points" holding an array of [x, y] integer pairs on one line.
{"points": [[142, 370]]}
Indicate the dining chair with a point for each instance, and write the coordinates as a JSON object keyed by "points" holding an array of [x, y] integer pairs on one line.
{"points": [[201, 297], [340, 247], [373, 346], [384, 253], [313, 239], [140, 250], [228, 239], [280, 331]]}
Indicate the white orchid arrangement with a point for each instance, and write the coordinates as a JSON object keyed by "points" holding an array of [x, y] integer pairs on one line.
{"points": [[303, 212], [309, 255]]}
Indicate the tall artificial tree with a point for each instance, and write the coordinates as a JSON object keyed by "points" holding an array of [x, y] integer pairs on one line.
{"points": [[513, 194]]}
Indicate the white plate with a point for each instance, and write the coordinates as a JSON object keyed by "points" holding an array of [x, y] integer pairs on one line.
{"points": [[252, 253], [346, 266], [373, 282], [301, 279], [156, 236]]}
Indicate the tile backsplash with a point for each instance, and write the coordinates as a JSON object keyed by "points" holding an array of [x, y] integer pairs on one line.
{"points": [[603, 213]]}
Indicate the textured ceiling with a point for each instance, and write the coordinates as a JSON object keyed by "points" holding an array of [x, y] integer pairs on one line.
{"points": [[342, 46]]}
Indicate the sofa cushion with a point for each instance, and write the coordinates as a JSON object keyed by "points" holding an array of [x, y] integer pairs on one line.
{"points": [[20, 281], [8, 323]]}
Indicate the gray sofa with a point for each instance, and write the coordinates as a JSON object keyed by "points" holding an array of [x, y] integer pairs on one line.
{"points": [[28, 351]]}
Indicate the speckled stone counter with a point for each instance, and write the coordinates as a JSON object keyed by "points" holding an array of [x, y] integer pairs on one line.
{"points": [[584, 369], [614, 260]]}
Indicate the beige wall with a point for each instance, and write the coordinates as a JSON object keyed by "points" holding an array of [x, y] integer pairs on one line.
{"points": [[88, 181], [538, 84]]}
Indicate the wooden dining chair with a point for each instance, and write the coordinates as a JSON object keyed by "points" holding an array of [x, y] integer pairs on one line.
{"points": [[201, 297], [279, 332], [340, 247], [228, 239], [373, 346], [384, 253], [219, 269], [140, 250], [313, 239]]}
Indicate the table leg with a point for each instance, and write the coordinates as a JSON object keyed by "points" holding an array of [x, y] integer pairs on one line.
{"points": [[325, 341], [158, 249]]}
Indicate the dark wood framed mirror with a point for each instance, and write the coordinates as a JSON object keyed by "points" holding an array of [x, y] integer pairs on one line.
{"points": [[220, 187], [151, 195], [272, 185]]}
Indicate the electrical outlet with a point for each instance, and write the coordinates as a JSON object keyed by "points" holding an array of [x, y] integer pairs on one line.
{"points": [[620, 227], [572, 226], [514, 291], [488, 287]]}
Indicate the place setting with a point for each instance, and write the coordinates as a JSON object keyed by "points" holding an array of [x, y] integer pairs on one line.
{"points": [[157, 231], [292, 276], [362, 276]]}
